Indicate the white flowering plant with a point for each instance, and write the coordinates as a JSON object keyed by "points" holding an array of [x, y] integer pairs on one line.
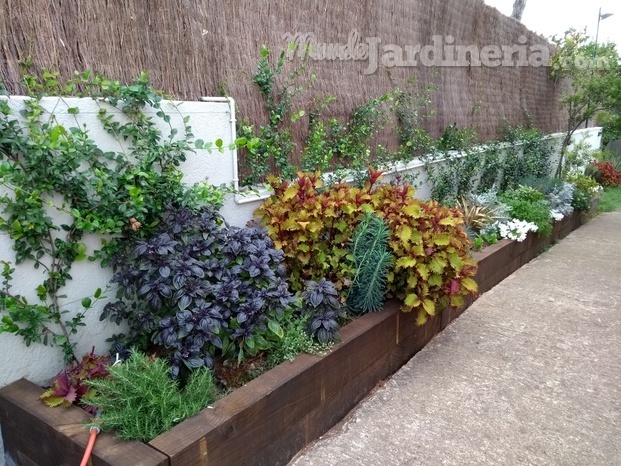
{"points": [[515, 229], [557, 215]]}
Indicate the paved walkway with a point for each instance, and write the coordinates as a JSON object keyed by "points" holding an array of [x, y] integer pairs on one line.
{"points": [[529, 375]]}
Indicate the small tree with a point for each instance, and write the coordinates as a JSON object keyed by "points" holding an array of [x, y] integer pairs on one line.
{"points": [[594, 80]]}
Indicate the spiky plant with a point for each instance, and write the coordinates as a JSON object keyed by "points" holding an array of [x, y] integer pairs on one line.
{"points": [[369, 248], [477, 217]]}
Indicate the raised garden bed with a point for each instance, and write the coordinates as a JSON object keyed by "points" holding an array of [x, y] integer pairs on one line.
{"points": [[270, 419]]}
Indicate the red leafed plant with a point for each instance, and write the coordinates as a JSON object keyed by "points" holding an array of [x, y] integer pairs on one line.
{"points": [[69, 388], [608, 174]]}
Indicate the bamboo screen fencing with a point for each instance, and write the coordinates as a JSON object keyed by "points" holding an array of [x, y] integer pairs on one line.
{"points": [[193, 48]]}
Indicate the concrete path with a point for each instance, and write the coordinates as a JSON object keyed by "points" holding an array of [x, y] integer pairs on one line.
{"points": [[529, 375]]}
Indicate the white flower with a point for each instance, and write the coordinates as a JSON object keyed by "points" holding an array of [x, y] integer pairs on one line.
{"points": [[515, 229], [556, 215]]}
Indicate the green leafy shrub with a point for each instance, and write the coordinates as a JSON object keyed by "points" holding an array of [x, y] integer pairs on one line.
{"points": [[611, 122], [330, 143], [577, 158], [529, 155], [371, 261], [140, 401], [581, 200], [558, 192], [295, 340], [586, 188], [584, 182], [272, 143], [528, 204], [412, 109], [452, 165], [456, 139]]}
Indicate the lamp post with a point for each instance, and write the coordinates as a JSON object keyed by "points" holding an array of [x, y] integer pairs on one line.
{"points": [[600, 17]]}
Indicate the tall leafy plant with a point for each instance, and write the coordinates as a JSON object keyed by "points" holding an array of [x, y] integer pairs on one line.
{"points": [[273, 141], [371, 260], [593, 79], [323, 307]]}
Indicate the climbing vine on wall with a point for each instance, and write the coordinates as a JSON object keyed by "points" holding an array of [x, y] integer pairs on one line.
{"points": [[49, 172]]}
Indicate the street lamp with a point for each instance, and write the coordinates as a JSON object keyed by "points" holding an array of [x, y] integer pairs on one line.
{"points": [[600, 17]]}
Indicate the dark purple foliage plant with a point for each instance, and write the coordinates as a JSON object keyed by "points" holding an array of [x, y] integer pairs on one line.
{"points": [[322, 305], [200, 288]]}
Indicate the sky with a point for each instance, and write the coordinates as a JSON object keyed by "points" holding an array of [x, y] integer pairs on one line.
{"points": [[550, 17]]}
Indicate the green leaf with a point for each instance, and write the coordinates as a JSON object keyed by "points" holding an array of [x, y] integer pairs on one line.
{"points": [[423, 270], [405, 262], [73, 110], [435, 280], [437, 264], [412, 210], [429, 306], [470, 284], [456, 261], [41, 292], [97, 293], [276, 328], [412, 301], [404, 233], [442, 240], [449, 221], [86, 303], [60, 340]]}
